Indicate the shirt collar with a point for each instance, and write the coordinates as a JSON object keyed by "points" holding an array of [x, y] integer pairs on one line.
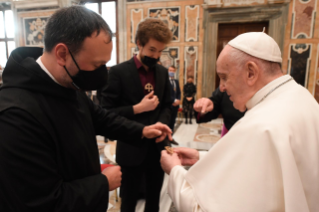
{"points": [[137, 62], [265, 90], [39, 61]]}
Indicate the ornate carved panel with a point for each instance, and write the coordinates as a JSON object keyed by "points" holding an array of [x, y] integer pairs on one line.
{"points": [[303, 18], [136, 18], [191, 63], [170, 56], [192, 23], [299, 62], [170, 15]]}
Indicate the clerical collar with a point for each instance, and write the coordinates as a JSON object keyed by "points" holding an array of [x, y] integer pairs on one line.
{"points": [[267, 90], [39, 61]]}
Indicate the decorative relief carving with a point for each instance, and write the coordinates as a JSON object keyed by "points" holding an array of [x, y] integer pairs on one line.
{"points": [[170, 56], [192, 23], [303, 18], [242, 2], [170, 16], [136, 18], [299, 62], [191, 63]]}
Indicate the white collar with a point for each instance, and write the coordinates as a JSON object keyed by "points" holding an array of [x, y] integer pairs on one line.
{"points": [[259, 95], [39, 61]]}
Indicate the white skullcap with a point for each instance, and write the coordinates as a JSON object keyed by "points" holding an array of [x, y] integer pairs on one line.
{"points": [[258, 44]]}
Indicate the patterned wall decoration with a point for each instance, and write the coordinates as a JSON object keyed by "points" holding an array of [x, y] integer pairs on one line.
{"points": [[242, 2], [316, 77], [317, 90], [136, 18], [299, 62], [191, 63], [170, 15], [134, 51], [170, 56], [303, 18], [34, 30], [192, 24]]}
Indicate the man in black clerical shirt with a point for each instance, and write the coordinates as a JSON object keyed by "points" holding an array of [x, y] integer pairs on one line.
{"points": [[49, 158], [139, 89]]}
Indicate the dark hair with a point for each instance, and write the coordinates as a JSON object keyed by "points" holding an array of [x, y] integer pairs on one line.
{"points": [[172, 66], [153, 28], [71, 25]]}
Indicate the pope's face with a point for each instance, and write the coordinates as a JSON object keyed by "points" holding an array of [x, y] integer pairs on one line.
{"points": [[232, 80]]}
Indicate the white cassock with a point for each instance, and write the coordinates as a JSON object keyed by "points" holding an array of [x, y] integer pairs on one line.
{"points": [[268, 161]]}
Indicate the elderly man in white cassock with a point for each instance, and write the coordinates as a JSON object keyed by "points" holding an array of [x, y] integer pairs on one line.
{"points": [[269, 160]]}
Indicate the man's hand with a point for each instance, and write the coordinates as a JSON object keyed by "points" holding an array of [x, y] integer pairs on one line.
{"points": [[168, 162], [114, 176], [148, 103], [187, 156], [157, 130], [203, 105], [176, 103]]}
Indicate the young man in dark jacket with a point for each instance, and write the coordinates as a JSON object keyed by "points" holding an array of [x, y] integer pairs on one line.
{"points": [[139, 89]]}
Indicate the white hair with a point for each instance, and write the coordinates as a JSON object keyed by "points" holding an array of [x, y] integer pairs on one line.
{"points": [[241, 58]]}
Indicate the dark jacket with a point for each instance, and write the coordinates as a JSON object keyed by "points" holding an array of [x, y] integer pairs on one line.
{"points": [[48, 151], [123, 90], [189, 90], [224, 106], [176, 94]]}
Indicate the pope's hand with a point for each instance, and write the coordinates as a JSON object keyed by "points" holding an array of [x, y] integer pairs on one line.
{"points": [[187, 156], [159, 130], [114, 176], [203, 105], [168, 161]]}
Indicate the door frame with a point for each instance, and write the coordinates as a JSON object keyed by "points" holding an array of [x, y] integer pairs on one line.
{"points": [[276, 14]]}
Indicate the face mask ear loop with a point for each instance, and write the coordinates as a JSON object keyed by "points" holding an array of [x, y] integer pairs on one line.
{"points": [[77, 87], [74, 59]]}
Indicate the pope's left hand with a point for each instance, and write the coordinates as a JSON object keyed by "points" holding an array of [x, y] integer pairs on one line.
{"points": [[168, 161]]}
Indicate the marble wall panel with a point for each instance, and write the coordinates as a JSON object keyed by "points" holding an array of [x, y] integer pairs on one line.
{"points": [[136, 18], [303, 18], [134, 51], [170, 56], [191, 62], [317, 90], [242, 2], [299, 62], [170, 16], [192, 23]]}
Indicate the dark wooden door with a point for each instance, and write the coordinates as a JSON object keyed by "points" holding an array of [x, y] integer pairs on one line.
{"points": [[227, 32]]}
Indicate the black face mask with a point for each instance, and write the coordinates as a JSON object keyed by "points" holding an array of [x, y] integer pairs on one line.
{"points": [[149, 61], [89, 80]]}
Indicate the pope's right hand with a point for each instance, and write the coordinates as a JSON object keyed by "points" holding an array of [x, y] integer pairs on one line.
{"points": [[188, 156], [203, 105], [114, 176]]}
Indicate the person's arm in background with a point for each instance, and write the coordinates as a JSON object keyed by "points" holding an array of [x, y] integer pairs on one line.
{"points": [[216, 99]]}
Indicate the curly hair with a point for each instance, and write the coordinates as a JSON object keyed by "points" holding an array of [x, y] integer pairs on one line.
{"points": [[153, 28]]}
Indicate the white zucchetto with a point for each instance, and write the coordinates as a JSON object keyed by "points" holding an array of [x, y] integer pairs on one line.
{"points": [[258, 44]]}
